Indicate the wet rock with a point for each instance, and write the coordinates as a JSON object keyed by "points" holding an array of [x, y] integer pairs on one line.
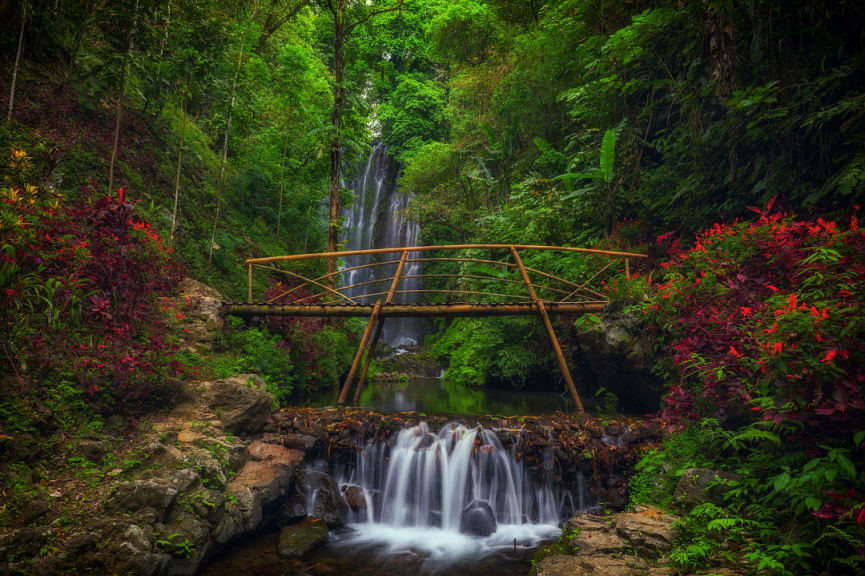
{"points": [[648, 530], [353, 496], [297, 539], [274, 453], [299, 442], [435, 519], [241, 403], [316, 494], [700, 485], [596, 535], [158, 494], [478, 519]]}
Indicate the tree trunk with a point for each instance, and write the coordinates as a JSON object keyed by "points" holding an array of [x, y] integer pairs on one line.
{"points": [[17, 62], [335, 140], [282, 171], [162, 45], [227, 132], [179, 160], [130, 46]]}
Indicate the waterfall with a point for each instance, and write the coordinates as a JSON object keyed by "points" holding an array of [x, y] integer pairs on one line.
{"points": [[460, 482], [377, 219]]}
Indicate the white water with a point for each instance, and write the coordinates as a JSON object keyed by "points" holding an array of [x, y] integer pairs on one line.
{"points": [[377, 219], [417, 492]]}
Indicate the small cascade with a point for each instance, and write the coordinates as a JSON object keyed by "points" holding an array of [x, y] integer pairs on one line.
{"points": [[377, 219], [459, 480]]}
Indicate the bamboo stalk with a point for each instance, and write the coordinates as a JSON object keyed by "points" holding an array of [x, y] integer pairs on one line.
{"points": [[454, 310], [563, 365], [345, 387], [583, 285], [446, 247]]}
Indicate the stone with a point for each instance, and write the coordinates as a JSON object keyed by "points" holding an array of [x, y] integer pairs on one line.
{"points": [[187, 436], [93, 450], [200, 306], [648, 530], [700, 485], [299, 442], [297, 539], [184, 479], [241, 403], [353, 495], [323, 493], [478, 519], [280, 455], [619, 353], [565, 565], [157, 494]]}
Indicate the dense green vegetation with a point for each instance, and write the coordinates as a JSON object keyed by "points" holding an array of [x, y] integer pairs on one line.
{"points": [[150, 139]]}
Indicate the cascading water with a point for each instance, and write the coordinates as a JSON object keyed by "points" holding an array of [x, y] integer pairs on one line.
{"points": [[453, 493], [377, 219]]}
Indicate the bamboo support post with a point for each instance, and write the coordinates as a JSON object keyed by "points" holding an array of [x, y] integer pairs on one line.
{"points": [[627, 269], [563, 365], [347, 386], [249, 285], [344, 392]]}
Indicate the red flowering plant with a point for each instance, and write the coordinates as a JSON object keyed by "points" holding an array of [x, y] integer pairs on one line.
{"points": [[78, 286], [765, 325]]}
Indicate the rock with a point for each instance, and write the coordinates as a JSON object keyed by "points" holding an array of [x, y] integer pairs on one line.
{"points": [[187, 436], [596, 535], [275, 453], [241, 403], [184, 479], [200, 307], [478, 519], [322, 492], [699, 485], [564, 565], [299, 442], [93, 450], [298, 539], [617, 352], [353, 496], [648, 530], [157, 494], [33, 510]]}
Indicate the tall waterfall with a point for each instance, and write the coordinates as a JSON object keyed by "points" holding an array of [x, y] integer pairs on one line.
{"points": [[377, 219]]}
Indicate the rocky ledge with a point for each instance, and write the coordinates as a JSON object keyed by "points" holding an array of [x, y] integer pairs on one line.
{"points": [[221, 466], [634, 543]]}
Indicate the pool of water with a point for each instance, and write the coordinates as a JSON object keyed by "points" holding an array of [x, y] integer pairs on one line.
{"points": [[439, 396], [378, 550]]}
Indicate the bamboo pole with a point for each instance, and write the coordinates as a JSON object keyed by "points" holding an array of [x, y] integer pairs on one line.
{"points": [[249, 285], [306, 280], [344, 393], [445, 247], [584, 284], [563, 365], [378, 330], [411, 310], [627, 269]]}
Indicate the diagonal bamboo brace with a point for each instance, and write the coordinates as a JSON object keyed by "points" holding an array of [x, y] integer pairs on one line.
{"points": [[343, 395], [542, 310]]}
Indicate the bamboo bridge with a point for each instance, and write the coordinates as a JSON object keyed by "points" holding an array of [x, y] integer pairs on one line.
{"points": [[507, 290]]}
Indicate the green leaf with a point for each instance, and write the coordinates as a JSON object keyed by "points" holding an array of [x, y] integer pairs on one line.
{"points": [[781, 481], [813, 503], [859, 437], [608, 155], [847, 465]]}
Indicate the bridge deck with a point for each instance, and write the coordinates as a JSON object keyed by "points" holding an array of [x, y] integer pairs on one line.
{"points": [[408, 310]]}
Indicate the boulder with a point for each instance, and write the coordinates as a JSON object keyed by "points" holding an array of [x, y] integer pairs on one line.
{"points": [[278, 455], [353, 495], [565, 565], [199, 305], [648, 530], [157, 494], [299, 442], [478, 519], [316, 494], [93, 450], [297, 539], [241, 403], [700, 485], [617, 352], [596, 535]]}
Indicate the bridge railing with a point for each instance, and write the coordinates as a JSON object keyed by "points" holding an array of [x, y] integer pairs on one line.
{"points": [[328, 289], [323, 295]]}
